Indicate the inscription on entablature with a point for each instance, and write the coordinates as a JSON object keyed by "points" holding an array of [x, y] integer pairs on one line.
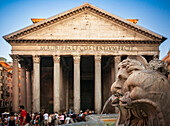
{"points": [[86, 48]]}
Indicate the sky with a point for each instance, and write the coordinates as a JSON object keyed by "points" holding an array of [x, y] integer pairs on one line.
{"points": [[153, 15]]}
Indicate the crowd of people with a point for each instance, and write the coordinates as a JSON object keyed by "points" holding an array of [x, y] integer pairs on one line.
{"points": [[42, 119]]}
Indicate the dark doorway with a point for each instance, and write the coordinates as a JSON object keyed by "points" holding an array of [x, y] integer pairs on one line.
{"points": [[87, 82], [87, 95], [46, 84]]}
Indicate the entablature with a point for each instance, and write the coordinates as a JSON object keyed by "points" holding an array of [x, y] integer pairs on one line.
{"points": [[86, 41]]}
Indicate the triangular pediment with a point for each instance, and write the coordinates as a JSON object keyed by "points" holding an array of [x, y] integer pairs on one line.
{"points": [[85, 22], [85, 25]]}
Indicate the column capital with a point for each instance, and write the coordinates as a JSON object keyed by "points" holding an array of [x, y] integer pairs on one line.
{"points": [[76, 58], [36, 59], [98, 58], [56, 58], [14, 57], [117, 59]]}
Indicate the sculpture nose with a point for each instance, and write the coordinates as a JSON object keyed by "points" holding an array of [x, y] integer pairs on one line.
{"points": [[116, 88]]}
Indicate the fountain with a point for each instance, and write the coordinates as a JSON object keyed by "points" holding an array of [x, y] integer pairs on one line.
{"points": [[142, 92], [93, 120]]}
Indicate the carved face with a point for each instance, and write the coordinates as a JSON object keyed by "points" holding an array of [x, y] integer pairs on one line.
{"points": [[125, 69], [141, 95]]}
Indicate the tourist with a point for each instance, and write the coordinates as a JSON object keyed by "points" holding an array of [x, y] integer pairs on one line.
{"points": [[68, 119], [2, 120], [28, 119], [56, 115], [50, 120], [6, 120], [62, 118], [73, 116], [57, 119], [32, 119], [81, 113], [12, 119], [53, 119], [37, 120], [23, 116], [41, 119], [45, 118], [16, 119]]}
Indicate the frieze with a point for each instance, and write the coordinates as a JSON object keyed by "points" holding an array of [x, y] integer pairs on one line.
{"points": [[86, 48]]}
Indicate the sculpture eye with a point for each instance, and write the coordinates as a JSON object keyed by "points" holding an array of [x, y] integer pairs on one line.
{"points": [[130, 87], [122, 77]]}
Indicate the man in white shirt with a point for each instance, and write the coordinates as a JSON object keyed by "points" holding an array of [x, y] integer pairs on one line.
{"points": [[68, 120], [56, 115], [45, 119]]}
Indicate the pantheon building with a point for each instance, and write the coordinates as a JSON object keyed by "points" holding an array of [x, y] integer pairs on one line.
{"points": [[69, 61]]}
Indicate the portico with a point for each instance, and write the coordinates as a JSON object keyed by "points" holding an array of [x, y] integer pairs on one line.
{"points": [[73, 56]]}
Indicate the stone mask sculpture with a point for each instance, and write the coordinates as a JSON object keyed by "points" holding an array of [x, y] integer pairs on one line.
{"points": [[142, 93]]}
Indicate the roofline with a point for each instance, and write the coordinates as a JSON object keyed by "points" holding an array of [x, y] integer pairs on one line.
{"points": [[166, 56], [90, 41], [79, 9]]}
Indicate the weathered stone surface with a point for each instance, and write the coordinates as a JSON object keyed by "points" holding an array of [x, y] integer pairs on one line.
{"points": [[76, 83], [15, 80], [83, 49], [56, 87], [98, 93], [141, 94], [36, 84], [160, 66], [86, 25]]}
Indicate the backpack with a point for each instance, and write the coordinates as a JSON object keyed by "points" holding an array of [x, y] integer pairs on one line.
{"points": [[28, 118]]}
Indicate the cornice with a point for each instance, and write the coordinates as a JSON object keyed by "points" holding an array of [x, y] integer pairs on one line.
{"points": [[85, 41], [82, 8]]}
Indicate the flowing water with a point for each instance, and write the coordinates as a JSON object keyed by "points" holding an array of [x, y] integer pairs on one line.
{"points": [[106, 103], [93, 120]]}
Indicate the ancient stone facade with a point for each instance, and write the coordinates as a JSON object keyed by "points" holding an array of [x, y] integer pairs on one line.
{"points": [[72, 57]]}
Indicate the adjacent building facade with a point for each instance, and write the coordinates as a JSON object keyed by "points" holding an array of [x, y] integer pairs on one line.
{"points": [[167, 60], [70, 60], [6, 86]]}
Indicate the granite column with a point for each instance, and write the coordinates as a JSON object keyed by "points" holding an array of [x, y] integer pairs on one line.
{"points": [[36, 84], [76, 84], [56, 60], [15, 80], [98, 93]]}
